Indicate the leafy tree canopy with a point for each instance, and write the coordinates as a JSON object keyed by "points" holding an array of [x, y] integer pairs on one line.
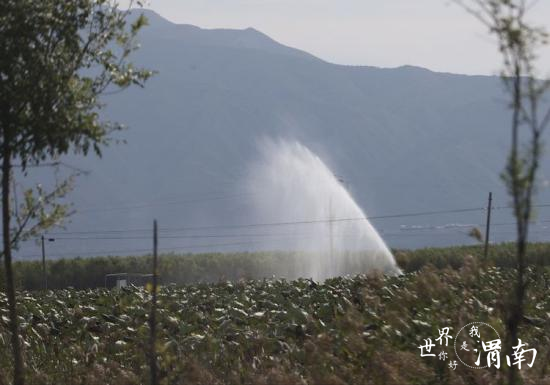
{"points": [[56, 58]]}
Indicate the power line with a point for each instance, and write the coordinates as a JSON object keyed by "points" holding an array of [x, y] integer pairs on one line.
{"points": [[190, 248], [110, 234], [284, 223], [195, 236], [183, 248], [511, 206], [445, 230], [148, 250]]}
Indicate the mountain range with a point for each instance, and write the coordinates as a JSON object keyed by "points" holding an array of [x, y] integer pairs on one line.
{"points": [[403, 140]]}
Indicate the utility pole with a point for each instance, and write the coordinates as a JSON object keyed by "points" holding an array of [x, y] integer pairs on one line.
{"points": [[152, 318], [44, 273], [488, 226], [44, 277]]}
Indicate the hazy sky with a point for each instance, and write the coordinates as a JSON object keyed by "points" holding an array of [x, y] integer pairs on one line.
{"points": [[436, 34]]}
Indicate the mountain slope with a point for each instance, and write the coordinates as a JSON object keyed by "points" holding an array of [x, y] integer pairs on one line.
{"points": [[405, 140]]}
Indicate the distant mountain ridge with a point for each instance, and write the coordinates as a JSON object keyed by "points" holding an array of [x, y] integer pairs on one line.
{"points": [[405, 140], [248, 38]]}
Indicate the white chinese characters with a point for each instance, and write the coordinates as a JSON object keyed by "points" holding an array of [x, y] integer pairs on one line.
{"points": [[479, 339]]}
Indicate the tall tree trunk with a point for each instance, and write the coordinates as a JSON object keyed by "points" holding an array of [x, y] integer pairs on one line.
{"points": [[515, 307], [18, 376], [152, 317]]}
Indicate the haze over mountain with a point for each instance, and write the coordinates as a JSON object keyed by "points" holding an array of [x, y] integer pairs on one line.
{"points": [[404, 140]]}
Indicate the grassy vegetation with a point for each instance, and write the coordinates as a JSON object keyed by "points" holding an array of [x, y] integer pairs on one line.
{"points": [[361, 330], [84, 273], [500, 255]]}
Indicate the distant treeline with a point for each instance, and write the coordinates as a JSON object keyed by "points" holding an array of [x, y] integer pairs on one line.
{"points": [[84, 273], [500, 255]]}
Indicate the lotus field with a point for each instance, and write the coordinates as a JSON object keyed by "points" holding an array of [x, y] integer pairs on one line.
{"points": [[355, 330]]}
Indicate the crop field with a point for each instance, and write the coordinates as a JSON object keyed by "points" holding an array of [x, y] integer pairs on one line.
{"points": [[357, 330]]}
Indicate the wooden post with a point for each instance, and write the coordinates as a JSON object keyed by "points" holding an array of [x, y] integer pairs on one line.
{"points": [[488, 226]]}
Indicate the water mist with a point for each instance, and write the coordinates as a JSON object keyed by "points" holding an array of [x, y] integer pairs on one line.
{"points": [[324, 228]]}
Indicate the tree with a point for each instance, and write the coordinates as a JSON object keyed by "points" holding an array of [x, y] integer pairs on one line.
{"points": [[518, 42], [56, 58]]}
